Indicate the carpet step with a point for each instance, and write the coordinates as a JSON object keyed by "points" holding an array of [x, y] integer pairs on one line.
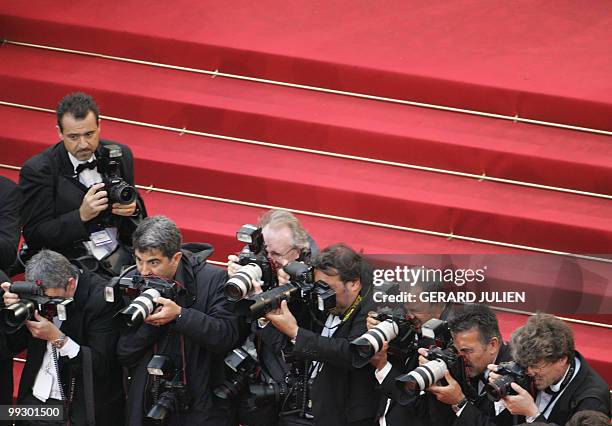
{"points": [[294, 117], [405, 50], [339, 187]]}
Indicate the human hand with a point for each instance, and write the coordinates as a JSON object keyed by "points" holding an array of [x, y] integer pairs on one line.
{"points": [[450, 394], [8, 298], [522, 403], [124, 209], [43, 329], [94, 202], [379, 360], [371, 320], [283, 320], [167, 312]]}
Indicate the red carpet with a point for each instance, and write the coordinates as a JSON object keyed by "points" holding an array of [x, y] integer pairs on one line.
{"points": [[535, 60]]}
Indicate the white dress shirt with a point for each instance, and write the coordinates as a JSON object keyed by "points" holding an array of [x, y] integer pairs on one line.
{"points": [[89, 177]]}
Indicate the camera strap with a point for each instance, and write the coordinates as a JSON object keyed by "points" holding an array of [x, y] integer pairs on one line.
{"points": [[351, 308], [88, 385]]}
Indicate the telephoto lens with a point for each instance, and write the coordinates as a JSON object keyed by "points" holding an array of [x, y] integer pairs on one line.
{"points": [[14, 316], [238, 286], [424, 376], [140, 308], [371, 342]]}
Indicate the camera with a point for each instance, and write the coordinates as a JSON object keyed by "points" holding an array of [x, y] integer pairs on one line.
{"points": [[440, 360], [109, 166], [394, 328], [168, 394], [243, 370], [255, 265], [316, 295], [293, 394], [142, 291], [510, 372], [32, 298]]}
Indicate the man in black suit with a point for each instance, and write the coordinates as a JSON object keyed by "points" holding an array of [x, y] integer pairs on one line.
{"points": [[477, 338], [341, 395], [195, 330], [10, 206], [565, 382], [395, 407], [66, 207], [69, 359]]}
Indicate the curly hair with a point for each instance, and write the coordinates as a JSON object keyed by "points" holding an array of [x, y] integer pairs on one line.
{"points": [[543, 337]]}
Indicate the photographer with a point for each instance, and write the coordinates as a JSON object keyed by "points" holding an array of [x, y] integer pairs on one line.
{"points": [[477, 338], [393, 409], [67, 207], [67, 359], [10, 207], [285, 240], [194, 335], [340, 394], [564, 381]]}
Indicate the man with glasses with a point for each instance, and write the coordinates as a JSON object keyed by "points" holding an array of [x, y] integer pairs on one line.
{"points": [[564, 381], [66, 205], [286, 240]]}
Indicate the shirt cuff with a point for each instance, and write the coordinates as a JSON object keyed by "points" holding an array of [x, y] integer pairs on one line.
{"points": [[532, 419], [459, 411], [70, 348], [382, 373]]}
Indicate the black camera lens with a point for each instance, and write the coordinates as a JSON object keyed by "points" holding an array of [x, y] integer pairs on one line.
{"points": [[13, 317], [269, 392], [230, 388], [122, 193]]}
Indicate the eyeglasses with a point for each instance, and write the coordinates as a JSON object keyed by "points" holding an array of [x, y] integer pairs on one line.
{"points": [[278, 255], [537, 369]]}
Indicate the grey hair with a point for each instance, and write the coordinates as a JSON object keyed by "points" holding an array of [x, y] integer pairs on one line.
{"points": [[157, 233], [277, 218], [49, 268]]}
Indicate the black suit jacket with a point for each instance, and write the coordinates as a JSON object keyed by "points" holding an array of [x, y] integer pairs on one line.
{"points": [[481, 411], [52, 195], [89, 323], [10, 229], [341, 394], [587, 391], [209, 329]]}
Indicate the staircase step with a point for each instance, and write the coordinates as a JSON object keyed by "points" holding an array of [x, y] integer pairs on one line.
{"points": [[312, 120], [379, 50], [340, 187]]}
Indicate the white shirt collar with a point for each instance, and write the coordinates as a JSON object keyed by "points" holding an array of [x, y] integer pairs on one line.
{"points": [[75, 162]]}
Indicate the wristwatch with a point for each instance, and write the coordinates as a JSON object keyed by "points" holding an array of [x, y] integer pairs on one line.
{"points": [[459, 405], [59, 342]]}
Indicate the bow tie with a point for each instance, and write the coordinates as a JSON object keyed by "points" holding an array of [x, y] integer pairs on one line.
{"points": [[89, 165]]}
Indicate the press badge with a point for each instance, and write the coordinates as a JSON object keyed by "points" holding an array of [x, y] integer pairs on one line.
{"points": [[100, 238]]}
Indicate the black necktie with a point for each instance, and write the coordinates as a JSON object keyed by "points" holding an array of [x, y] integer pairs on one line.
{"points": [[89, 165]]}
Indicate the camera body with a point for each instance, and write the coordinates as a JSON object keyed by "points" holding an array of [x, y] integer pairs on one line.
{"points": [[109, 166], [316, 295], [32, 298], [142, 290], [255, 265], [168, 393], [243, 371], [394, 328], [510, 372]]}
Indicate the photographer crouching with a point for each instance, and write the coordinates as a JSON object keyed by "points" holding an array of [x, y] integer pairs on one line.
{"points": [[177, 329], [339, 394], [564, 381], [60, 315]]}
